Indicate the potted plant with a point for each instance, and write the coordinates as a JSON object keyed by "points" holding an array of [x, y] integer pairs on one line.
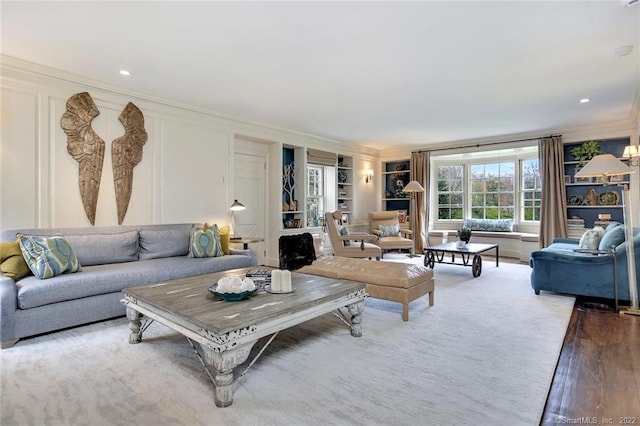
{"points": [[464, 234], [585, 152]]}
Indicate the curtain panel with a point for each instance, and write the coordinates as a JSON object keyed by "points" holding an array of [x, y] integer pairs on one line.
{"points": [[419, 172], [553, 214]]}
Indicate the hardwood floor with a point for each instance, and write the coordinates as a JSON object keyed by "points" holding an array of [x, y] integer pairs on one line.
{"points": [[597, 379]]}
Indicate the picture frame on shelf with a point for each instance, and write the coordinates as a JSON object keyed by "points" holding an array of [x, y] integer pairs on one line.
{"points": [[345, 219], [582, 179], [296, 223], [616, 178], [402, 216], [567, 179]]}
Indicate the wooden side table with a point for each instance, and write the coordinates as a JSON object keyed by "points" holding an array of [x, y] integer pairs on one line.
{"points": [[245, 241]]}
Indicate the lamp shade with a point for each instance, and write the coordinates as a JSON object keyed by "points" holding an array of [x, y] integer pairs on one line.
{"points": [[413, 186], [631, 151], [604, 165], [236, 206]]}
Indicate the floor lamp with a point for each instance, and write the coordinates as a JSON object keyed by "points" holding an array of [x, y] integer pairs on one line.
{"points": [[604, 166], [411, 188]]}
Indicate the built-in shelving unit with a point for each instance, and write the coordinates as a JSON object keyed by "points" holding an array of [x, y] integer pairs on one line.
{"points": [[395, 175], [579, 191], [292, 215], [344, 181]]}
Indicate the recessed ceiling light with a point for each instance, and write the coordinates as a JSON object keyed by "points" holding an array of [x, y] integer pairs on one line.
{"points": [[125, 72], [623, 50], [585, 100]]}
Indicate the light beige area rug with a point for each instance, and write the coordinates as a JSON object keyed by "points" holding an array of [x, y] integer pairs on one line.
{"points": [[485, 354]]}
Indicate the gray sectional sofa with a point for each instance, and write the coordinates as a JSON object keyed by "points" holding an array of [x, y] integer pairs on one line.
{"points": [[112, 258]]}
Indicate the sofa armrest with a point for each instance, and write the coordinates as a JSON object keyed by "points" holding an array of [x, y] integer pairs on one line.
{"points": [[565, 240], [574, 258], [8, 307], [406, 232], [247, 252]]}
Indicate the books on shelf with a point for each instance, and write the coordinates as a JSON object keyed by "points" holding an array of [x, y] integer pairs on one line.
{"points": [[575, 223]]}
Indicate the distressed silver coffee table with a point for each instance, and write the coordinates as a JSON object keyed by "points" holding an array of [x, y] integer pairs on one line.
{"points": [[227, 331]]}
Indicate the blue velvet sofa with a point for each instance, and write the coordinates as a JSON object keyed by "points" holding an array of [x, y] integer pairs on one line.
{"points": [[112, 258], [559, 268]]}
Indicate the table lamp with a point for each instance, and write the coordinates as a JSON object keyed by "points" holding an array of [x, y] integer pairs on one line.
{"points": [[604, 166], [235, 207]]}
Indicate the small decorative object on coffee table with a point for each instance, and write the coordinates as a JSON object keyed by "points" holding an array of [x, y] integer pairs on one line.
{"points": [[464, 234]]}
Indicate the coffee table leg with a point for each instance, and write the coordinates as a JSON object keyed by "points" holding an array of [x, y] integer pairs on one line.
{"points": [[223, 364], [135, 325], [355, 309]]}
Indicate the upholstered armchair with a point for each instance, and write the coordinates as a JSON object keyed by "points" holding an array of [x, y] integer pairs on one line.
{"points": [[386, 226], [346, 244]]}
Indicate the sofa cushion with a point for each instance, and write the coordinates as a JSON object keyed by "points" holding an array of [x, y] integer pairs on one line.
{"points": [[103, 279], [100, 249], [495, 225], [163, 243], [590, 240], [12, 262], [613, 237], [204, 241], [48, 256]]}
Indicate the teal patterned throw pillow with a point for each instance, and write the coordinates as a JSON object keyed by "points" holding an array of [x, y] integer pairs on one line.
{"points": [[345, 231], [48, 256], [389, 230], [204, 241]]}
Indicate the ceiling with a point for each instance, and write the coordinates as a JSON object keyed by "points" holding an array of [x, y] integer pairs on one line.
{"points": [[378, 74]]}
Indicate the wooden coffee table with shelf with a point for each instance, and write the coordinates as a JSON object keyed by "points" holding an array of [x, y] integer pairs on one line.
{"points": [[226, 331]]}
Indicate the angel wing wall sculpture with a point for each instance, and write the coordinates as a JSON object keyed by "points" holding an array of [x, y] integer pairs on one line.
{"points": [[126, 153], [86, 147]]}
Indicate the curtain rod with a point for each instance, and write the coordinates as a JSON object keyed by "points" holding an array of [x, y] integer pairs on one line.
{"points": [[479, 145]]}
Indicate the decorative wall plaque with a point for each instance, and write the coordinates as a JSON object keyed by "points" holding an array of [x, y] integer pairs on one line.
{"points": [[86, 147], [126, 153]]}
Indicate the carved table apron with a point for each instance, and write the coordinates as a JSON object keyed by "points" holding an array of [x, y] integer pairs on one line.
{"points": [[227, 331]]}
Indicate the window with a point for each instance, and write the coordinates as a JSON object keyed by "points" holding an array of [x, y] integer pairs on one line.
{"points": [[315, 195], [493, 190], [499, 184], [450, 192], [530, 190]]}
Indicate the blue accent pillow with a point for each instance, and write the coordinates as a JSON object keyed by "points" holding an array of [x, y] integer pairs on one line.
{"points": [[345, 231], [590, 240], [390, 230], [493, 225], [48, 256], [613, 237], [204, 241]]}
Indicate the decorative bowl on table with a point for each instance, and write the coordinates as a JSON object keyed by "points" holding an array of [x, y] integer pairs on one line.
{"points": [[231, 297], [233, 289]]}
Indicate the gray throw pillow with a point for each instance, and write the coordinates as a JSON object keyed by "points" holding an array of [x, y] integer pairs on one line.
{"points": [[390, 230], [590, 240], [101, 249], [163, 243]]}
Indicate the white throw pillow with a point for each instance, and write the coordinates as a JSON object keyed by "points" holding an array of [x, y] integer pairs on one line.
{"points": [[590, 240]]}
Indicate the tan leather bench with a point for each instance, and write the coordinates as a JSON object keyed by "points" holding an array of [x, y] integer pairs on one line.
{"points": [[397, 282]]}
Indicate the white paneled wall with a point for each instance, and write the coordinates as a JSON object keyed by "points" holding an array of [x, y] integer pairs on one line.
{"points": [[186, 173]]}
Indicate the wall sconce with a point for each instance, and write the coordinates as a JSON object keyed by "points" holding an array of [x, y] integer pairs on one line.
{"points": [[368, 176], [632, 152]]}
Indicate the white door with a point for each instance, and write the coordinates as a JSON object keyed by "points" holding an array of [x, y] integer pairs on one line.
{"points": [[250, 183]]}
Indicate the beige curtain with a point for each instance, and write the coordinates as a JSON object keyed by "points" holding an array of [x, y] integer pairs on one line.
{"points": [[418, 172], [553, 215]]}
